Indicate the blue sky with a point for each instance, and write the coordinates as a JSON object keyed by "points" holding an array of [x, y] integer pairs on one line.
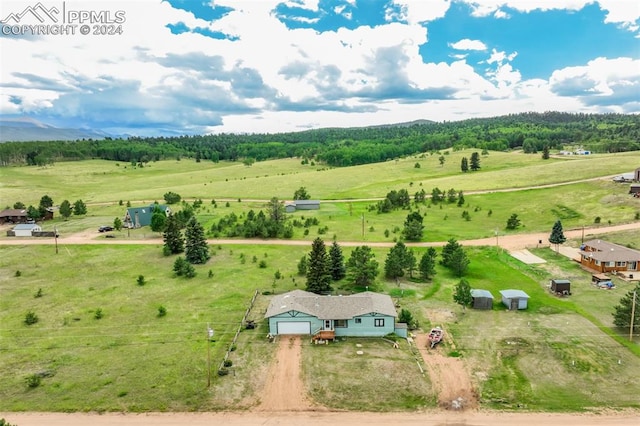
{"points": [[235, 66]]}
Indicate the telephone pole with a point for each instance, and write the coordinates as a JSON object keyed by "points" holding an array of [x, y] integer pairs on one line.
{"points": [[209, 336], [633, 314]]}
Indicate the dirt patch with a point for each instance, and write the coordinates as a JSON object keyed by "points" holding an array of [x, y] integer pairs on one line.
{"points": [[284, 389], [449, 376]]}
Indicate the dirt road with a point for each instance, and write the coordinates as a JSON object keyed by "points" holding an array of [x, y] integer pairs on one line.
{"points": [[508, 242], [314, 418]]}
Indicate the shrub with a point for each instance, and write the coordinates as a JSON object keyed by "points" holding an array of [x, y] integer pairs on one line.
{"points": [[18, 273], [30, 318], [262, 264], [228, 363], [99, 314], [3, 422], [38, 293], [223, 371], [33, 380], [597, 219], [162, 311], [232, 348], [140, 280]]}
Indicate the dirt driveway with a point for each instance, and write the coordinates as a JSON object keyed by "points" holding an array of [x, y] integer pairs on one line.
{"points": [[284, 389]]}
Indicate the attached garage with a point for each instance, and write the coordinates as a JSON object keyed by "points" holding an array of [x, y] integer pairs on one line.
{"points": [[293, 327]]}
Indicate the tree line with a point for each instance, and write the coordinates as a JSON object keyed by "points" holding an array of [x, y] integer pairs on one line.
{"points": [[533, 132]]}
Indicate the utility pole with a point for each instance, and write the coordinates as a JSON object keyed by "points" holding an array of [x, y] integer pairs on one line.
{"points": [[55, 237], [209, 336], [363, 226], [582, 240], [633, 313]]}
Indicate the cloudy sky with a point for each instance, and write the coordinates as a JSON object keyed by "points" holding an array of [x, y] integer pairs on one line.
{"points": [[212, 66]]}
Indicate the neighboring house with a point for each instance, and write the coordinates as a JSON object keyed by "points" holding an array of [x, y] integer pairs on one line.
{"points": [[135, 217], [481, 299], [26, 229], [603, 256], [634, 189], [626, 177], [514, 299], [307, 204], [13, 216], [365, 314]]}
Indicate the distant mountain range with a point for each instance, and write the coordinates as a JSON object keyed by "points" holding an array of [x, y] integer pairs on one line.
{"points": [[19, 129]]}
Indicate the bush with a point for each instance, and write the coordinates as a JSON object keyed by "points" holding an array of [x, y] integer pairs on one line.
{"points": [[38, 293], [223, 372], [597, 219], [3, 422], [30, 318], [162, 311], [99, 314], [141, 280], [18, 273], [33, 381], [228, 363], [262, 264]]}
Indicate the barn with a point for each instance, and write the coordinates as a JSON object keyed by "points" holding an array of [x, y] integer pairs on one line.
{"points": [[514, 299], [481, 299], [562, 287]]}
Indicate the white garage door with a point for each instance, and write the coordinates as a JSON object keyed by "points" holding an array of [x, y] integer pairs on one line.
{"points": [[294, 328]]}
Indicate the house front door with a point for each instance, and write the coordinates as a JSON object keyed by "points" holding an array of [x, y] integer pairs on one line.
{"points": [[633, 266], [327, 325]]}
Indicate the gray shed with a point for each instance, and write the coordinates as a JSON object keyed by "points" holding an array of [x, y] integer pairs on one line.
{"points": [[514, 299], [26, 229], [482, 299], [307, 204]]}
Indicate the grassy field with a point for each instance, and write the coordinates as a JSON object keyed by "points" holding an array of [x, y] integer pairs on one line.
{"points": [[560, 354], [100, 181], [133, 360]]}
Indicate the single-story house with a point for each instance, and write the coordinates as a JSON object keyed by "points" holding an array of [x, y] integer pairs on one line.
{"points": [[366, 314], [13, 216], [26, 229], [307, 204], [481, 299], [560, 287], [135, 217], [603, 256], [634, 189], [514, 299]]}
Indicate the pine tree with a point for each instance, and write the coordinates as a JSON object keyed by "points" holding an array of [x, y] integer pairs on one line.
{"points": [[196, 249], [65, 209], [545, 153], [338, 269], [447, 251], [622, 313], [362, 268], [462, 294], [513, 222], [413, 227], [459, 262], [460, 199], [173, 240], [318, 268], [557, 236], [475, 162], [394, 264], [79, 208], [464, 165], [427, 266]]}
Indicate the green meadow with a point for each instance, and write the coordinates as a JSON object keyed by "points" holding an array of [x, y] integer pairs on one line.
{"points": [[100, 343]]}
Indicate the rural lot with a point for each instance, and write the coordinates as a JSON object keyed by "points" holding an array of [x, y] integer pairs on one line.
{"points": [[560, 355]]}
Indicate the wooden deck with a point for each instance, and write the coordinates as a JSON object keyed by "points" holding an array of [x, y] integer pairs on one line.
{"points": [[324, 335]]}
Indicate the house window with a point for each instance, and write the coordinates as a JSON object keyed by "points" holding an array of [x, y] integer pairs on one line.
{"points": [[340, 323], [598, 262], [358, 320], [622, 264], [378, 322], [611, 263]]}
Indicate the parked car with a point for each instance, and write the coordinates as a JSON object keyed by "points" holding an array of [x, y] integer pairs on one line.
{"points": [[105, 228]]}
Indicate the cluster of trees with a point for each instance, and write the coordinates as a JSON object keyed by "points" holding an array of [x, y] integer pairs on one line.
{"points": [[352, 146], [193, 244], [322, 267], [450, 196], [272, 224], [66, 209], [473, 165]]}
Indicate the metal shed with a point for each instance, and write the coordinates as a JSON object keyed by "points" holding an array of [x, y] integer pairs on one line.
{"points": [[514, 299], [561, 287], [482, 299], [26, 229]]}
